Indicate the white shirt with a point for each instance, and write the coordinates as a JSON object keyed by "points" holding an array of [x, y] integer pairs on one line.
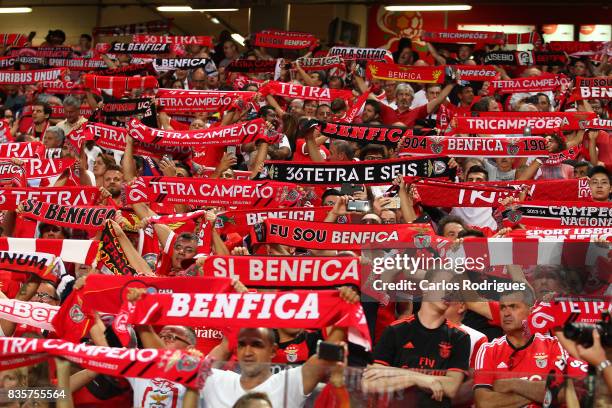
{"points": [[420, 99], [158, 393], [477, 216], [285, 389], [476, 339]]}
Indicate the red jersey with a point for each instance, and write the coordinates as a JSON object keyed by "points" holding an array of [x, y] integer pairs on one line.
{"points": [[390, 116], [501, 359]]}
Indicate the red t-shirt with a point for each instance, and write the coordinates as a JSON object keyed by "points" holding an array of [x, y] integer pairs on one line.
{"points": [[301, 152]]}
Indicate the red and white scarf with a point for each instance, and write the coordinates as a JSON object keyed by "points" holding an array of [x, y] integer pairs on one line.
{"points": [[35, 314], [367, 54], [532, 37], [542, 190], [447, 194], [203, 40], [404, 73], [57, 111], [30, 77], [71, 196], [68, 250], [541, 83], [600, 124], [549, 120], [118, 83], [180, 101], [573, 47], [469, 37], [284, 39], [60, 87], [41, 52], [304, 92], [592, 233], [279, 272], [80, 217], [475, 146], [559, 214], [230, 135], [547, 316], [37, 263], [515, 124], [592, 88]]}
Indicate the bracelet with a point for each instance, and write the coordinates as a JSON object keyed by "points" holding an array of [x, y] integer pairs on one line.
{"points": [[603, 365]]}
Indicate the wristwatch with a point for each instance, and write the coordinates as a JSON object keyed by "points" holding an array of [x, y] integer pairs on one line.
{"points": [[603, 365]]}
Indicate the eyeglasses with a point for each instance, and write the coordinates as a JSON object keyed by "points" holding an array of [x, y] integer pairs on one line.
{"points": [[43, 296], [186, 250], [388, 221], [171, 338]]}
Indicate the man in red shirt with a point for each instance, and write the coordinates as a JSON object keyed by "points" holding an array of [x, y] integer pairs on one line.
{"points": [[511, 371]]}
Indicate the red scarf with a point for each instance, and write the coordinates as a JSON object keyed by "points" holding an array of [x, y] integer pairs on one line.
{"points": [[321, 63], [304, 92], [446, 194], [367, 54], [560, 214], [12, 175], [548, 316], [30, 77], [475, 146], [230, 135], [561, 120], [542, 190], [203, 40], [77, 64], [285, 271], [70, 322], [543, 83], [505, 123], [207, 192], [60, 87], [558, 158], [572, 47], [13, 40], [173, 365], [175, 218], [592, 233], [39, 263], [476, 72], [403, 73], [251, 66], [146, 50], [118, 83], [70, 196], [592, 88], [240, 221], [79, 217], [523, 38], [324, 235], [34, 314], [284, 39], [68, 250], [275, 310], [57, 111], [600, 124], [471, 37], [180, 101], [41, 52], [357, 107]]}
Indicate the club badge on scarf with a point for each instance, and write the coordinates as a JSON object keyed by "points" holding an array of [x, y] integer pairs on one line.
{"points": [[12, 175]]}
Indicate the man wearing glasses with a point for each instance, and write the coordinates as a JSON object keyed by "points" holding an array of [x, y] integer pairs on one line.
{"points": [[511, 371]]}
